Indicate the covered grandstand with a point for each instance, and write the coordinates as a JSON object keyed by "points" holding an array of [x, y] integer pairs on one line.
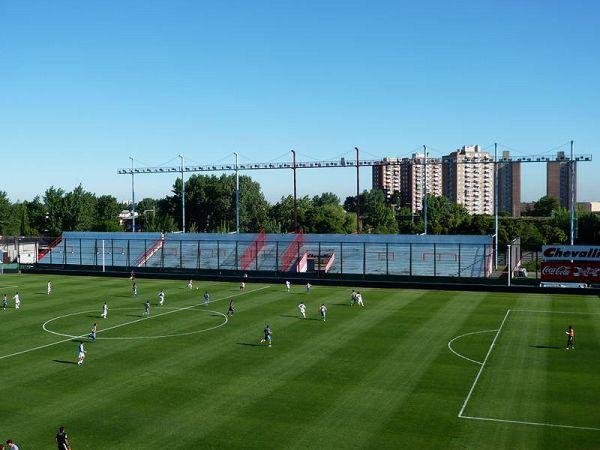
{"points": [[361, 254]]}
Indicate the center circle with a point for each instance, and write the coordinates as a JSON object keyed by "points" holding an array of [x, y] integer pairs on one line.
{"points": [[45, 328]]}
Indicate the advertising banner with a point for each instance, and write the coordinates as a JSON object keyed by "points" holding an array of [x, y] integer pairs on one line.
{"points": [[566, 271], [571, 252]]}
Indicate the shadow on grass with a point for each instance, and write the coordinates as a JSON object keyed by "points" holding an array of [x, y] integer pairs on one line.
{"points": [[546, 346], [61, 361], [299, 318], [251, 345]]}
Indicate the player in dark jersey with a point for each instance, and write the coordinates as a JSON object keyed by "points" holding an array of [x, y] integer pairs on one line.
{"points": [[571, 337], [231, 309], [268, 335], [61, 439]]}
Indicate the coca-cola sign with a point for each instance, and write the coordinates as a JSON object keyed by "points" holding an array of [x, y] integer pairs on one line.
{"points": [[582, 272], [571, 253]]}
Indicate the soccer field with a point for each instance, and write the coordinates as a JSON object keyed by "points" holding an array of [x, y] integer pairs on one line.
{"points": [[413, 368]]}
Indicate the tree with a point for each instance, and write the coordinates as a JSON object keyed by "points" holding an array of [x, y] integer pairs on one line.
{"points": [[545, 206], [54, 203], [106, 214], [445, 216]]}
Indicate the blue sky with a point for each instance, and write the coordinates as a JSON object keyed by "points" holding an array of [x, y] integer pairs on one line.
{"points": [[83, 85]]}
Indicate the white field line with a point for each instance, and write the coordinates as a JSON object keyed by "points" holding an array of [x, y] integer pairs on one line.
{"points": [[556, 312], [128, 323], [460, 413], [9, 286], [45, 328], [463, 335], [522, 422]]}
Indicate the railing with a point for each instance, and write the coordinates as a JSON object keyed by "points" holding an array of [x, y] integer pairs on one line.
{"points": [[252, 250], [48, 249], [149, 253], [292, 252]]}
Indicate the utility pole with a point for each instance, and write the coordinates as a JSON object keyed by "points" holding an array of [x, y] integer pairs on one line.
{"points": [[182, 195], [425, 190], [237, 195], [508, 266], [357, 191], [132, 197], [573, 197], [295, 193], [496, 206]]}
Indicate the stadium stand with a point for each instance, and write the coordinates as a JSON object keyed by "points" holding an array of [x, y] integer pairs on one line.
{"points": [[416, 255]]}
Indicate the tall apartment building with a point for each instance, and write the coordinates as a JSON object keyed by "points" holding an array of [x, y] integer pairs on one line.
{"points": [[412, 180], [387, 177], [468, 179], [407, 176], [509, 186], [558, 180]]}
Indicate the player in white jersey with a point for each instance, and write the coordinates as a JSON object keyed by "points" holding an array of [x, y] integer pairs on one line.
{"points": [[323, 311], [17, 300], [190, 284], [161, 297], [308, 286], [288, 286], [359, 299], [92, 335], [242, 286], [104, 311], [134, 289], [49, 287], [302, 309], [80, 354]]}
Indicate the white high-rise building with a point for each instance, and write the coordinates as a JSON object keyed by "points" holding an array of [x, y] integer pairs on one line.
{"points": [[468, 175]]}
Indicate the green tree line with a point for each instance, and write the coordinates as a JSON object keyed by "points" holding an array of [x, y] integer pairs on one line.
{"points": [[211, 207]]}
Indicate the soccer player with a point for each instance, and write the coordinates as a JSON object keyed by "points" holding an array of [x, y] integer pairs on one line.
{"points": [[104, 311], [62, 440], [81, 354], [132, 276], [49, 287], [4, 302], [93, 333], [268, 335], [134, 289], [190, 284], [206, 298], [323, 311], [308, 286], [242, 286], [10, 445], [161, 297], [302, 309], [353, 298], [288, 285], [571, 336], [231, 310], [17, 300], [359, 299], [147, 308]]}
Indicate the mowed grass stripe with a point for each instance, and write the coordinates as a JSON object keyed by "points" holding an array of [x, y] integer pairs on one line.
{"points": [[262, 370]]}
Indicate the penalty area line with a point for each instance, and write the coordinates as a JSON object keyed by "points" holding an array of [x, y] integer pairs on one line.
{"points": [[39, 347], [523, 422]]}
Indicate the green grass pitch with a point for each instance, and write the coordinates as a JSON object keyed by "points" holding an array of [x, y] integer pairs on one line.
{"points": [[414, 368]]}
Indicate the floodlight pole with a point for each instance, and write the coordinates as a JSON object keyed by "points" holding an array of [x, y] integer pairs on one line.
{"points": [[425, 190], [182, 195], [295, 192], [508, 266], [573, 197], [132, 197], [237, 195], [496, 206], [357, 190]]}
